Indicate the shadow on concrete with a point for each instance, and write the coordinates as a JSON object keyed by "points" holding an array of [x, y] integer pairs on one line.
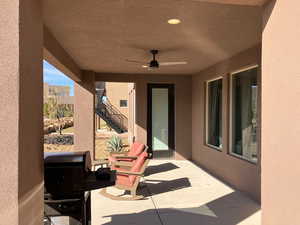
{"points": [[164, 167], [230, 209], [155, 187]]}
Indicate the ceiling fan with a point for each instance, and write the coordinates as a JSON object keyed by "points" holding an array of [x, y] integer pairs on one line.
{"points": [[154, 64]]}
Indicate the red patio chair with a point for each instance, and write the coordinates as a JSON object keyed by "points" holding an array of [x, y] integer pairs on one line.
{"points": [[127, 160], [129, 180]]}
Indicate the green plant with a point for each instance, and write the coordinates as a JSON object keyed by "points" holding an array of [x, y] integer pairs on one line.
{"points": [[46, 110], [68, 111], [55, 112], [114, 144]]}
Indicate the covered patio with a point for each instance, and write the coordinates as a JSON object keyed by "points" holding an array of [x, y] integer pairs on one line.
{"points": [[176, 193], [99, 40]]}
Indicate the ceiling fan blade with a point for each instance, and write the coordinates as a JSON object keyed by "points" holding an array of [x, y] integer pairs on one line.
{"points": [[135, 61], [172, 63]]}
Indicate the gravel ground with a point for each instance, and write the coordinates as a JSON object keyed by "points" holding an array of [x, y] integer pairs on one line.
{"points": [[65, 143], [56, 139]]}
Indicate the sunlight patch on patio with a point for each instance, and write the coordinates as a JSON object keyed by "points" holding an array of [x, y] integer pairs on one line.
{"points": [[176, 193]]}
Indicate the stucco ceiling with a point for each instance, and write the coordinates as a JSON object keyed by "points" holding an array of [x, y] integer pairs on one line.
{"points": [[101, 34]]}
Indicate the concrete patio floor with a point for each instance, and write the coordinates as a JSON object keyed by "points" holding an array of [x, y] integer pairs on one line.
{"points": [[178, 193]]}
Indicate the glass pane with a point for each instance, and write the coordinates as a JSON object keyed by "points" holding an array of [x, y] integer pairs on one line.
{"points": [[244, 114], [123, 103], [214, 113], [160, 119]]}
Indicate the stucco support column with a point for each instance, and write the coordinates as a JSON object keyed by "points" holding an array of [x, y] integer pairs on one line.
{"points": [[281, 113], [21, 114], [84, 118]]}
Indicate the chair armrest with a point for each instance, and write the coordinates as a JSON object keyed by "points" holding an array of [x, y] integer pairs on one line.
{"points": [[129, 173], [114, 155], [125, 157], [123, 163]]}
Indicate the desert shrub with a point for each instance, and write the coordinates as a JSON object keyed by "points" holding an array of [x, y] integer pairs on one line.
{"points": [[114, 144]]}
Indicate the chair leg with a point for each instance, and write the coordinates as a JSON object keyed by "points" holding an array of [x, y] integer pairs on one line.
{"points": [[133, 192], [142, 183], [133, 196]]}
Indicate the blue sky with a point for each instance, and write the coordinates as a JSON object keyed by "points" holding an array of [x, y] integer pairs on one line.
{"points": [[53, 76]]}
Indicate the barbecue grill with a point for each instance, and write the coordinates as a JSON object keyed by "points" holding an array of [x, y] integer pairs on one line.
{"points": [[68, 182]]}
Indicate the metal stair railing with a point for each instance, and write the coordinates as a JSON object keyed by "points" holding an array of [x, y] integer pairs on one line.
{"points": [[108, 112]]}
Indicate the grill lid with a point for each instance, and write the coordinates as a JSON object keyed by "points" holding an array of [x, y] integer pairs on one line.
{"points": [[68, 159]]}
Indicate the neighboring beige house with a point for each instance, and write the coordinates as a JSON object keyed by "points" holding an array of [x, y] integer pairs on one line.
{"points": [[61, 93], [232, 106], [117, 95], [123, 97]]}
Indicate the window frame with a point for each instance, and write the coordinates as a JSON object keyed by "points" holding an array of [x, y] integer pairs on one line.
{"points": [[206, 113], [125, 100], [230, 152]]}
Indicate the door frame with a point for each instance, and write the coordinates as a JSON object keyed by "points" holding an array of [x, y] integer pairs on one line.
{"points": [[171, 122]]}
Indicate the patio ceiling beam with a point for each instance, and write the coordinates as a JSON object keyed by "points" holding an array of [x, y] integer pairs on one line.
{"points": [[237, 2], [56, 55], [116, 77], [131, 78]]}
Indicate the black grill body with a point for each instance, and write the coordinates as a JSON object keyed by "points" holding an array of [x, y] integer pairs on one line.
{"points": [[68, 182]]}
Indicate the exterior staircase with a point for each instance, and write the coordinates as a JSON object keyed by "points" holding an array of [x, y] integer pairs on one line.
{"points": [[111, 115]]}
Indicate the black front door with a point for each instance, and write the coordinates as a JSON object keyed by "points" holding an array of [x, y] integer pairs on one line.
{"points": [[161, 124]]}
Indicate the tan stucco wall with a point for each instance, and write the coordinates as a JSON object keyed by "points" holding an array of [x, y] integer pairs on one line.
{"points": [[9, 80], [131, 112], [21, 118], [182, 106], [239, 173], [115, 92], [84, 114], [281, 114]]}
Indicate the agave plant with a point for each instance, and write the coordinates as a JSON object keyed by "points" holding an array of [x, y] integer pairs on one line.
{"points": [[114, 144]]}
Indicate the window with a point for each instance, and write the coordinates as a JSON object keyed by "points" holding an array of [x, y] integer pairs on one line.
{"points": [[123, 103], [214, 113], [244, 114]]}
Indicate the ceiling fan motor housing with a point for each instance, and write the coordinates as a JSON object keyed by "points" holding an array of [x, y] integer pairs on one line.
{"points": [[154, 64]]}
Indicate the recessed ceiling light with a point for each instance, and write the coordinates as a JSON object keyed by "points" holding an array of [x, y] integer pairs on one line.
{"points": [[174, 21], [144, 66]]}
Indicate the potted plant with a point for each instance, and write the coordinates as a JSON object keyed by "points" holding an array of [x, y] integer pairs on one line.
{"points": [[114, 145]]}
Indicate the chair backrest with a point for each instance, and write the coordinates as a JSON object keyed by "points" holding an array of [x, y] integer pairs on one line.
{"points": [[136, 149], [139, 165]]}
